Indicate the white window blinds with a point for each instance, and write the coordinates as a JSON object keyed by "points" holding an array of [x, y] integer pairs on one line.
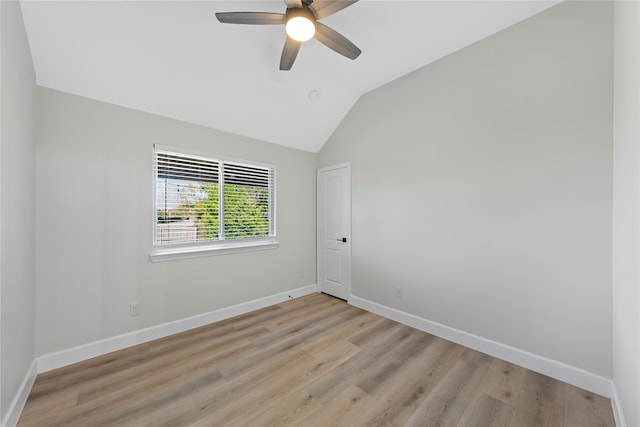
{"points": [[202, 200]]}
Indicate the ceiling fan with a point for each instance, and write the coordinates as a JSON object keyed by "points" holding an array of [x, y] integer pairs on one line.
{"points": [[301, 21]]}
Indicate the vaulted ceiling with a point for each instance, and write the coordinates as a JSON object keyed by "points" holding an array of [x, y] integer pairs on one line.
{"points": [[173, 58]]}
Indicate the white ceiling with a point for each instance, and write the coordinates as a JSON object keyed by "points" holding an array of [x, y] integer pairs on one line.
{"points": [[173, 58]]}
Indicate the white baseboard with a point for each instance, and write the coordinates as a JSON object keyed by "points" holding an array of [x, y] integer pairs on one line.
{"points": [[13, 412], [618, 415], [97, 348], [552, 368]]}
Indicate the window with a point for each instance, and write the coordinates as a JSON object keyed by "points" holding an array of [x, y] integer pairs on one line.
{"points": [[209, 205]]}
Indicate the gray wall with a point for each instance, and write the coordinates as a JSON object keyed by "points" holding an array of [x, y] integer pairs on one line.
{"points": [[626, 210], [17, 206], [94, 224], [482, 186]]}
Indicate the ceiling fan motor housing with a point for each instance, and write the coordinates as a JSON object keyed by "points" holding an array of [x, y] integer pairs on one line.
{"points": [[302, 12]]}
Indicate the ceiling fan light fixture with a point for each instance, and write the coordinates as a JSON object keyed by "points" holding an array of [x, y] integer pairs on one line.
{"points": [[300, 29], [300, 24]]}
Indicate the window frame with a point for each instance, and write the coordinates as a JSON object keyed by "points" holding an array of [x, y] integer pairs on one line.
{"points": [[168, 252]]}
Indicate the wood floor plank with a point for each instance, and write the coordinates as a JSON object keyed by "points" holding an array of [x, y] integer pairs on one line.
{"points": [[290, 412], [310, 361], [43, 408], [85, 371], [545, 387], [446, 403], [152, 387], [486, 411], [289, 379], [354, 369], [586, 409], [504, 381], [267, 348], [146, 356], [354, 325], [157, 373], [285, 331], [378, 377], [218, 405], [411, 387], [536, 411], [211, 353], [266, 368], [384, 327], [279, 311], [298, 315], [342, 410], [286, 411]]}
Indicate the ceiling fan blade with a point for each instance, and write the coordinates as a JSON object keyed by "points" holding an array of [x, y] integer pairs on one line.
{"points": [[257, 18], [324, 8], [293, 3], [289, 53], [336, 41]]}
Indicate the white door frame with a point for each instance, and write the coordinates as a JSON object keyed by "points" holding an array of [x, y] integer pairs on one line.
{"points": [[347, 166]]}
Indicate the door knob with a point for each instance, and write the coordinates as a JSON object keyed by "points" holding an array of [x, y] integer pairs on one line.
{"points": [[343, 240]]}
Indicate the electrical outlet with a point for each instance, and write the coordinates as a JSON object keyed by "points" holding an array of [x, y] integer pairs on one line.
{"points": [[398, 292], [302, 274], [134, 309]]}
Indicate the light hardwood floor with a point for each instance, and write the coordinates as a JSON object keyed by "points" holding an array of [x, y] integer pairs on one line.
{"points": [[312, 361]]}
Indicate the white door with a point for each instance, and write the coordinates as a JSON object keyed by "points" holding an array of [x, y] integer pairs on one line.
{"points": [[334, 230]]}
